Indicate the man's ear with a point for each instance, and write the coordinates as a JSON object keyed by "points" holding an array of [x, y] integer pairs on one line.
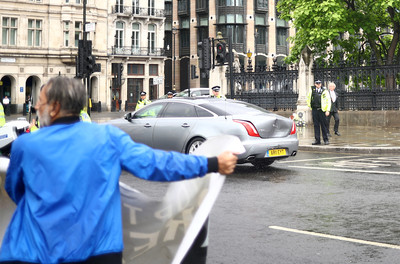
{"points": [[55, 109]]}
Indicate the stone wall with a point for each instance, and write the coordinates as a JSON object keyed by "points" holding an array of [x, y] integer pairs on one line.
{"points": [[363, 118]]}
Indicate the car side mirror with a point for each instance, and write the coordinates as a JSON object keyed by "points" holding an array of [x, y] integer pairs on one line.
{"points": [[128, 116]]}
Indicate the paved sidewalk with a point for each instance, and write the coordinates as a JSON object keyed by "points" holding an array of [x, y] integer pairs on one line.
{"points": [[358, 139]]}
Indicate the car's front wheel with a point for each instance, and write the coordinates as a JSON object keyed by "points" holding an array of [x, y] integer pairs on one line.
{"points": [[194, 144], [262, 164]]}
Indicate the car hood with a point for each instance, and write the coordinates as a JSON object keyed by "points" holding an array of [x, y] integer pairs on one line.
{"points": [[19, 124], [269, 126]]}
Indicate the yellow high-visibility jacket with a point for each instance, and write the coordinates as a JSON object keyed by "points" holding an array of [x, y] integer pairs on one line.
{"points": [[142, 103], [325, 99], [2, 116]]}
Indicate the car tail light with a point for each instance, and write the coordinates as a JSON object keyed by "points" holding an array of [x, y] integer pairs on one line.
{"points": [[293, 130], [251, 129]]}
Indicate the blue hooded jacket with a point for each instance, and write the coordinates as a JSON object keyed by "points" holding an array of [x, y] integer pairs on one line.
{"points": [[64, 180]]}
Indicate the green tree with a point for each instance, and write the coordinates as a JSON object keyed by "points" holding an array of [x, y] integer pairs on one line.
{"points": [[355, 27]]}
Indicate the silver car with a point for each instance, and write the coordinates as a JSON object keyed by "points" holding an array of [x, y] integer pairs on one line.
{"points": [[182, 124], [194, 92]]}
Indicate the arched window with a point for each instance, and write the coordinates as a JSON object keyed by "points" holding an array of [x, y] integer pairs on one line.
{"points": [[135, 38]]}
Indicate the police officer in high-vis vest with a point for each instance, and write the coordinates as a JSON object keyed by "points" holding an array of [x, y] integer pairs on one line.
{"points": [[2, 116], [142, 101], [216, 94], [84, 116], [319, 101]]}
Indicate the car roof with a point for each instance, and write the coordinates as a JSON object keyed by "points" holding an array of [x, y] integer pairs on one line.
{"points": [[192, 100], [220, 105], [196, 89]]}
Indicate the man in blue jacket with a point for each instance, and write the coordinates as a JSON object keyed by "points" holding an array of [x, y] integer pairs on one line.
{"points": [[64, 180]]}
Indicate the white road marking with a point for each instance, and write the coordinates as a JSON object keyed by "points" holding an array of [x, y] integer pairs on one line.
{"points": [[347, 170], [353, 240], [341, 157]]}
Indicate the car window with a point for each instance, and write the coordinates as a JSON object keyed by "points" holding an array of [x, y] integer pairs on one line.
{"points": [[182, 94], [195, 93], [151, 111], [202, 112], [205, 92], [221, 107], [176, 109]]}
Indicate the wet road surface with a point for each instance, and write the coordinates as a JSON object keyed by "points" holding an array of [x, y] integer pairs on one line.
{"points": [[314, 208]]}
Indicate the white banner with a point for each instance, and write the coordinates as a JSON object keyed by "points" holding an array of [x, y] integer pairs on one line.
{"points": [[159, 231]]}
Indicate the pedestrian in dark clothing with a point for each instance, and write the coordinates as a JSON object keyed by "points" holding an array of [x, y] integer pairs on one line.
{"points": [[334, 109], [318, 100]]}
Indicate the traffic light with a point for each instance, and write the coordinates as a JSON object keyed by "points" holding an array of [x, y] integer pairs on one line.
{"points": [[86, 61], [80, 60], [89, 59], [205, 54], [120, 69], [89, 63], [221, 53], [193, 74]]}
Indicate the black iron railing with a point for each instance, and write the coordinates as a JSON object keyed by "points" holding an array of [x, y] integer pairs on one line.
{"points": [[273, 88], [132, 51], [138, 11], [363, 85]]}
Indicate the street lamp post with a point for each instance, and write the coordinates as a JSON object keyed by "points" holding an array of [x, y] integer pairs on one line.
{"points": [[174, 31], [249, 65], [255, 49]]}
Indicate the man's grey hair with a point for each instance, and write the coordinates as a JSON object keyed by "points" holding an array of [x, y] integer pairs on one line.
{"points": [[68, 92], [332, 83]]}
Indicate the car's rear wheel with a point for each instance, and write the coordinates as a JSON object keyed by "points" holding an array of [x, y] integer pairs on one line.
{"points": [[262, 164], [194, 144]]}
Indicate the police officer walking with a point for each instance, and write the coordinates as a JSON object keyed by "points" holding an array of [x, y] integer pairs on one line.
{"points": [[319, 101], [142, 101]]}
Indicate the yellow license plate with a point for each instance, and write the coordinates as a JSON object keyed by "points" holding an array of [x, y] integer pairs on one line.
{"points": [[276, 152]]}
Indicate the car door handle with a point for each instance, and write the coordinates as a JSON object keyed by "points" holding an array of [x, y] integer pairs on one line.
{"points": [[185, 125], [147, 125]]}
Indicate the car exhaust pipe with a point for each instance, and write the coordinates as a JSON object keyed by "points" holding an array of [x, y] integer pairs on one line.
{"points": [[294, 153], [250, 158]]}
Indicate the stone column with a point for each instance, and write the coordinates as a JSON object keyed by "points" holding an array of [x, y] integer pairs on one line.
{"points": [[305, 81]]}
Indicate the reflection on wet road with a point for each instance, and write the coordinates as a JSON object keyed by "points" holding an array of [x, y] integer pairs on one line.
{"points": [[324, 207]]}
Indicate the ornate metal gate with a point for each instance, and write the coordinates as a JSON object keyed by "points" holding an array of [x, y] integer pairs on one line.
{"points": [[363, 85], [273, 88]]}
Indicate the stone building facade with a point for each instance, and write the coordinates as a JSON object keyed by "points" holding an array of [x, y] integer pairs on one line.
{"points": [[39, 40], [256, 31]]}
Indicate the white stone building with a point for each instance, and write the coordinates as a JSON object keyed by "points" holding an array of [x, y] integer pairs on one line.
{"points": [[39, 40]]}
